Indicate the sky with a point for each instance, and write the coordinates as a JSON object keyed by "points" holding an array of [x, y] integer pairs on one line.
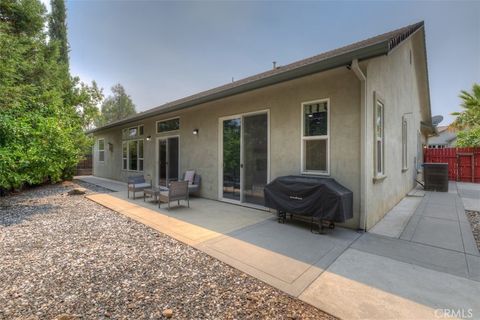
{"points": [[161, 51]]}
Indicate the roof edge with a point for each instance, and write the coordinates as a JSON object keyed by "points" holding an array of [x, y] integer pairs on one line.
{"points": [[378, 48]]}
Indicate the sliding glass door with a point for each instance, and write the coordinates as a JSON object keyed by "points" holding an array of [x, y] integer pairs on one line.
{"points": [[244, 158], [168, 160]]}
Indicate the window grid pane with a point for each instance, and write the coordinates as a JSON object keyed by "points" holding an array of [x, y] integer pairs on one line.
{"points": [[379, 137], [168, 125], [315, 155], [132, 155], [315, 119]]}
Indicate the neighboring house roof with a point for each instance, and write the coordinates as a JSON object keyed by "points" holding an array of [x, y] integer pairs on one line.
{"points": [[445, 137], [362, 50]]}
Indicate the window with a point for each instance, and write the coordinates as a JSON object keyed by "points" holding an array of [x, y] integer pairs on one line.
{"points": [[133, 132], [168, 125], [315, 137], [132, 157], [379, 138], [101, 150], [124, 155], [404, 144]]}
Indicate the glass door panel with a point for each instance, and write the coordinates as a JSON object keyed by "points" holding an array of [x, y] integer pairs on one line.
{"points": [[168, 160], [172, 144], [162, 162], [231, 158], [255, 157]]}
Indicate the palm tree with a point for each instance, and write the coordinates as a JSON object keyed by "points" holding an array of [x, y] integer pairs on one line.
{"points": [[470, 116]]}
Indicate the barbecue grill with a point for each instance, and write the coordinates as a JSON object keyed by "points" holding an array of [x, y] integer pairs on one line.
{"points": [[318, 200]]}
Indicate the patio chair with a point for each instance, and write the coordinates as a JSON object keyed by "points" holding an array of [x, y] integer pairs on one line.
{"points": [[137, 184], [177, 190], [194, 180]]}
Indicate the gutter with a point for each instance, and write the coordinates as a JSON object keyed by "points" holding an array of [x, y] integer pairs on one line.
{"points": [[363, 142]]}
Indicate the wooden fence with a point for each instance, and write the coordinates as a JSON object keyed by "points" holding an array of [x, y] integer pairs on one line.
{"points": [[463, 163], [85, 166]]}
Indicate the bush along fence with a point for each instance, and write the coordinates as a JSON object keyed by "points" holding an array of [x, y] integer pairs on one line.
{"points": [[463, 163]]}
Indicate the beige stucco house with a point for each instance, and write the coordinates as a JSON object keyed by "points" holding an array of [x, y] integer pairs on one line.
{"points": [[359, 114]]}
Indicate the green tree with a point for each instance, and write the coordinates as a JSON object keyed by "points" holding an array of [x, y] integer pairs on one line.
{"points": [[470, 115], [468, 120], [41, 133], [117, 106], [469, 137], [57, 28], [89, 99]]}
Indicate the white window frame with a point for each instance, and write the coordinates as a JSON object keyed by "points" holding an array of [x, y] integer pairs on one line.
{"points": [[304, 138], [138, 156], [101, 150], [379, 174], [163, 120], [404, 144]]}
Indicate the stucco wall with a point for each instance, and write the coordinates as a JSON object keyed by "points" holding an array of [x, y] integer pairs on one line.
{"points": [[283, 101], [397, 79]]}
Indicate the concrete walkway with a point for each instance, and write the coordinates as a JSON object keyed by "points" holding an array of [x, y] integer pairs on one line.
{"points": [[425, 262]]}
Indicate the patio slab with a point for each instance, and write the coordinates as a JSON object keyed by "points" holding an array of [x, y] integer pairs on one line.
{"points": [[287, 256], [434, 264], [396, 219], [439, 233], [414, 253], [360, 285]]}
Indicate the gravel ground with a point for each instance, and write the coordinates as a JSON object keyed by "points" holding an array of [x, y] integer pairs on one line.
{"points": [[474, 218], [66, 257]]}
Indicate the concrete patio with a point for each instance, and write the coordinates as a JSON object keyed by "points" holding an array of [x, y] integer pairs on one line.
{"points": [[422, 257]]}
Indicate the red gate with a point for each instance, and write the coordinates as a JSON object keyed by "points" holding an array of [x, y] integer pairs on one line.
{"points": [[463, 163]]}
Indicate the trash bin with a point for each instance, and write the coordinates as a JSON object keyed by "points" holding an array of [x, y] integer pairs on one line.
{"points": [[435, 176]]}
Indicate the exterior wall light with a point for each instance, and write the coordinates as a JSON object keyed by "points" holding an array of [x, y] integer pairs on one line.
{"points": [[149, 138], [195, 131]]}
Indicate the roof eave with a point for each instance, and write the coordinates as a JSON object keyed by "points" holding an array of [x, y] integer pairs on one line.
{"points": [[345, 59]]}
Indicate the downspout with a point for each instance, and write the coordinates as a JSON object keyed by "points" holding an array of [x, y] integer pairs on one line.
{"points": [[363, 143]]}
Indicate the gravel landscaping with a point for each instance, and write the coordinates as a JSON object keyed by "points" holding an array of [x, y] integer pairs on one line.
{"points": [[66, 257], [474, 218]]}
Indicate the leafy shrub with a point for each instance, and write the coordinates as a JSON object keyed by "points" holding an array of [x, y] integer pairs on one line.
{"points": [[41, 134]]}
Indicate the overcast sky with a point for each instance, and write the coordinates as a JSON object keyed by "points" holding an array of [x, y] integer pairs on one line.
{"points": [[162, 51]]}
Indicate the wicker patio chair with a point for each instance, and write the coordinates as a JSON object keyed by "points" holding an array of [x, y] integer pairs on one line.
{"points": [[177, 190], [137, 184]]}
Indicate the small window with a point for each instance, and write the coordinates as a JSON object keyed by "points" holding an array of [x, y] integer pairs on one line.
{"points": [[379, 138], [315, 135], [132, 132], [101, 150], [168, 125], [404, 144]]}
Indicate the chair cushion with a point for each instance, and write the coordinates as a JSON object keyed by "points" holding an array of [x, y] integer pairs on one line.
{"points": [[142, 185], [189, 176]]}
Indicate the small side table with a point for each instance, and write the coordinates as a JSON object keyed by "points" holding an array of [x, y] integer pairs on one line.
{"points": [[151, 192]]}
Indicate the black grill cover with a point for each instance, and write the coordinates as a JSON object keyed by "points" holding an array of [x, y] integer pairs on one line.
{"points": [[321, 198]]}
